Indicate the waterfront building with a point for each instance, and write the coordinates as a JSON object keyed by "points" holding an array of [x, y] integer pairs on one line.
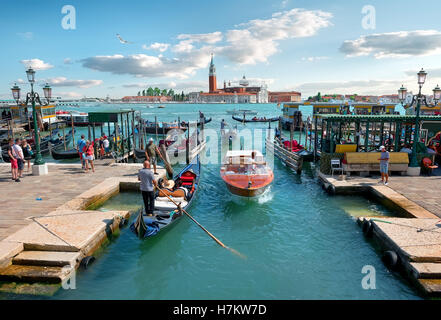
{"points": [[278, 97], [242, 93], [146, 99]]}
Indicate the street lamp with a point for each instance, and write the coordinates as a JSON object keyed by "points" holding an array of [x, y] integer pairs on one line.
{"points": [[47, 92], [419, 98], [16, 93], [33, 97]]}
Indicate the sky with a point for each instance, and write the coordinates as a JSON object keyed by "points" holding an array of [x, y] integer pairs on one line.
{"points": [[340, 46]]}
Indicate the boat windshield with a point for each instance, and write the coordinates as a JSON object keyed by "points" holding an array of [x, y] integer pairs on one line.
{"points": [[247, 169]]}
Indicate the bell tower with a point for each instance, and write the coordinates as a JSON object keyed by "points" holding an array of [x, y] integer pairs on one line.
{"points": [[212, 77]]}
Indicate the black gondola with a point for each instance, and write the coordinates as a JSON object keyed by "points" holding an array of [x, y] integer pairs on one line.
{"points": [[165, 127], [65, 154], [166, 212], [256, 120]]}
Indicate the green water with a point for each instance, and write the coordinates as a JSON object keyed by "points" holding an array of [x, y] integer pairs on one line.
{"points": [[299, 242]]}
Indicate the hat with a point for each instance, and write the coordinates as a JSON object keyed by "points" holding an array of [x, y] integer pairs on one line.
{"points": [[382, 147], [169, 184], [151, 140]]}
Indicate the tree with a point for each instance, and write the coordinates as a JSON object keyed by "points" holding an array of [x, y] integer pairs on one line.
{"points": [[319, 97], [164, 92], [170, 93], [139, 93], [182, 96], [143, 93], [157, 91], [150, 91]]}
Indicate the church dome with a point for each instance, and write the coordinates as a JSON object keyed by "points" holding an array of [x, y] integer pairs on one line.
{"points": [[244, 82]]}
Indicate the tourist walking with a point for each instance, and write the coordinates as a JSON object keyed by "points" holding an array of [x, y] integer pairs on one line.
{"points": [[147, 179], [151, 151], [384, 165], [18, 154], [101, 149], [80, 146], [27, 153], [14, 167], [88, 156]]}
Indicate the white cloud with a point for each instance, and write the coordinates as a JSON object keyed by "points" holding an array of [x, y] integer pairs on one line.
{"points": [[68, 94], [68, 61], [26, 35], [36, 64], [313, 59], [250, 43], [394, 44], [161, 47], [64, 82]]}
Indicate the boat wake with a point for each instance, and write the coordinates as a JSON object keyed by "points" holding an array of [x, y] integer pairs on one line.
{"points": [[266, 197]]}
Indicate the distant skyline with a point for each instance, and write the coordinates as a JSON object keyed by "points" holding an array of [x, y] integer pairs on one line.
{"points": [[307, 46]]}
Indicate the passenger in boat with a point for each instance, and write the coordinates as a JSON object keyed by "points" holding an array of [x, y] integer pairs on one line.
{"points": [[147, 185], [151, 151]]}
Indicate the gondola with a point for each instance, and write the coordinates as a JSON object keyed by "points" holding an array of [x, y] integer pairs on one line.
{"points": [[256, 120], [166, 213], [56, 144], [65, 154], [185, 124], [163, 128]]}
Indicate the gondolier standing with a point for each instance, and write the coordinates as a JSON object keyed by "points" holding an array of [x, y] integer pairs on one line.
{"points": [[147, 185], [151, 151]]}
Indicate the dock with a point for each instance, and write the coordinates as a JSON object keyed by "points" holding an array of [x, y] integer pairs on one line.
{"points": [[413, 238], [47, 227]]}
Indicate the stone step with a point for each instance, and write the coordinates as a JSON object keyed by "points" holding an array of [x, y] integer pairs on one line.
{"points": [[32, 274], [432, 287], [426, 270], [47, 258]]}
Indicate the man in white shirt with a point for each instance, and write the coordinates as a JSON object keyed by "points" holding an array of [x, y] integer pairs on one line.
{"points": [[17, 151]]}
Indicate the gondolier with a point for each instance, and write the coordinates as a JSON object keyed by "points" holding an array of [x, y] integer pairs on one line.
{"points": [[151, 153], [147, 185]]}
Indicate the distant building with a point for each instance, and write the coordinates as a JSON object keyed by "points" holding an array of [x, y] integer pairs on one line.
{"points": [[277, 97], [229, 94], [148, 99]]}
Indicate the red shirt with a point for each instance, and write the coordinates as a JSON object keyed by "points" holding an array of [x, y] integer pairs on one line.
{"points": [[88, 150]]}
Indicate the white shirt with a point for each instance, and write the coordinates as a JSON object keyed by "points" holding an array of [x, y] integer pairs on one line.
{"points": [[17, 151], [106, 143]]}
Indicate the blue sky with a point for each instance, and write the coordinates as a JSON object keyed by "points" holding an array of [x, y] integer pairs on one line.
{"points": [[308, 46]]}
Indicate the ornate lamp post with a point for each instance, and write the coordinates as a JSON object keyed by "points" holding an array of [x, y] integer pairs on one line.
{"points": [[33, 97], [419, 99]]}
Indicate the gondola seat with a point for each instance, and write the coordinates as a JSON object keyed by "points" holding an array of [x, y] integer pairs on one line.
{"points": [[178, 193], [164, 204]]}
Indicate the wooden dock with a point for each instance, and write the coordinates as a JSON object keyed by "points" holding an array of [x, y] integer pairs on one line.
{"points": [[290, 159], [414, 238], [45, 233]]}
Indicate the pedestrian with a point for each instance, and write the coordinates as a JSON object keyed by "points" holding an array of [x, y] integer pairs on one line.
{"points": [[147, 185], [384, 166], [151, 151], [106, 145], [18, 154], [80, 146], [27, 152], [14, 167], [101, 149], [88, 156]]}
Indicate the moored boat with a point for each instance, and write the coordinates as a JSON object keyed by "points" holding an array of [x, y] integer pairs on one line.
{"points": [[182, 190], [65, 154], [255, 119], [246, 173]]}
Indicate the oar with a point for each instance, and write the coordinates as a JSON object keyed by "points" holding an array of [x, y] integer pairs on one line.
{"points": [[167, 165], [206, 231]]}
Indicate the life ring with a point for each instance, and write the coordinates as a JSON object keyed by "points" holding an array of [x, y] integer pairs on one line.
{"points": [[390, 259]]}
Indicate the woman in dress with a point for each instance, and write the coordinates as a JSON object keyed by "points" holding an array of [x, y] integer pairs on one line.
{"points": [[27, 153]]}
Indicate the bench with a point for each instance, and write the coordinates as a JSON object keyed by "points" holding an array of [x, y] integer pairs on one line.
{"points": [[368, 161]]}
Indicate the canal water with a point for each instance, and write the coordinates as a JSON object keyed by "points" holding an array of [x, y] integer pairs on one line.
{"points": [[299, 242]]}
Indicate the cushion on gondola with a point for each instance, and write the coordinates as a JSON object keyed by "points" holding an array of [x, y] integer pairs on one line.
{"points": [[164, 204]]}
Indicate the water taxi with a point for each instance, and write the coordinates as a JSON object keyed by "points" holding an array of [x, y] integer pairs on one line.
{"points": [[246, 173]]}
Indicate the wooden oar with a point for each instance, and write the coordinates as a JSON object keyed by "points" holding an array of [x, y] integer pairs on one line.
{"points": [[206, 231], [167, 165]]}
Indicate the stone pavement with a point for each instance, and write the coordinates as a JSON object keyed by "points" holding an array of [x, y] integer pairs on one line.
{"points": [[18, 200]]}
